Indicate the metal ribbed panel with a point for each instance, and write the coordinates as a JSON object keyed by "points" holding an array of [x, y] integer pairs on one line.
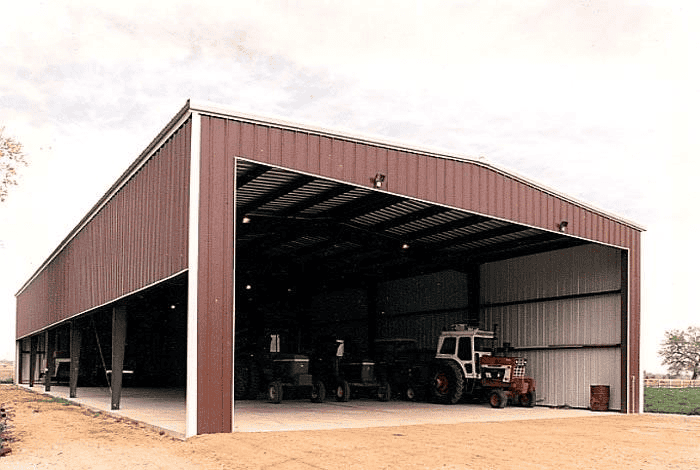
{"points": [[571, 342], [564, 377], [421, 307], [576, 321], [137, 238], [397, 210], [579, 270], [474, 188], [215, 277]]}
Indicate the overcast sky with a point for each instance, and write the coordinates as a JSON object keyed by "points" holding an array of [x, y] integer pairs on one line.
{"points": [[596, 99]]}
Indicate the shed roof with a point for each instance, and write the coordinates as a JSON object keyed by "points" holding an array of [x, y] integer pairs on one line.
{"points": [[463, 228]]}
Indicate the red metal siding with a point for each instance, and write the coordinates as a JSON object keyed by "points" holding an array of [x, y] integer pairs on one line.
{"points": [[137, 238], [634, 312], [215, 273], [462, 184]]}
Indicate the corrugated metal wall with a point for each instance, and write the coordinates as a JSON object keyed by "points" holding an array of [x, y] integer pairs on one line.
{"points": [[563, 311], [215, 279], [472, 186], [468, 185], [421, 307], [136, 239]]}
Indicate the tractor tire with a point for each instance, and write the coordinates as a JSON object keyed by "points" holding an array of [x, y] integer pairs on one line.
{"points": [[447, 384], [384, 392], [498, 399], [274, 392], [318, 392], [411, 394], [527, 400], [342, 391]]}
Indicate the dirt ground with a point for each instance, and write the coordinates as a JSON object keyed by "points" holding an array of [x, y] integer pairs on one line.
{"points": [[46, 434]]}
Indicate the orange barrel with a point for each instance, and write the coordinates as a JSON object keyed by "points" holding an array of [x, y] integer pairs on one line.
{"points": [[600, 397]]}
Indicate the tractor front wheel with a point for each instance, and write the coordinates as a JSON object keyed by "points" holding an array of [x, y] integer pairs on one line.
{"points": [[342, 391], [411, 393], [318, 392], [498, 399], [528, 399], [384, 392], [274, 392]]}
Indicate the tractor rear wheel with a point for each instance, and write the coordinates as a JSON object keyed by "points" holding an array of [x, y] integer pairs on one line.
{"points": [[498, 399], [447, 383], [318, 392]]}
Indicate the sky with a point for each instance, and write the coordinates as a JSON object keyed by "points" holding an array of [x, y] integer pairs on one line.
{"points": [[597, 99]]}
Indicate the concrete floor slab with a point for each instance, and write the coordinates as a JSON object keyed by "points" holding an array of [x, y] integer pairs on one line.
{"points": [[161, 408], [254, 416], [164, 409]]}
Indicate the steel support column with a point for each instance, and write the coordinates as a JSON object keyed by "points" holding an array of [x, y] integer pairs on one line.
{"points": [[32, 359], [75, 340], [50, 362], [118, 343]]}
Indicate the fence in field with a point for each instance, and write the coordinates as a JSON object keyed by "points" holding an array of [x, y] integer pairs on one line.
{"points": [[671, 383]]}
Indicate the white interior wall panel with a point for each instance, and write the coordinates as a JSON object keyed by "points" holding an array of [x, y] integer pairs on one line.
{"points": [[573, 321], [579, 270], [421, 307], [564, 376], [561, 310]]}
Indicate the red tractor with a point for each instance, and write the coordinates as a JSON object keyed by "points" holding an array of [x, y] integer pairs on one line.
{"points": [[464, 365]]}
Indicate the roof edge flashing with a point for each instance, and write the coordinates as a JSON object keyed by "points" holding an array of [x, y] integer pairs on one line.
{"points": [[176, 122], [219, 110]]}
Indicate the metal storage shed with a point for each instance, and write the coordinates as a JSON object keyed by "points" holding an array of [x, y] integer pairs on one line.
{"points": [[220, 200]]}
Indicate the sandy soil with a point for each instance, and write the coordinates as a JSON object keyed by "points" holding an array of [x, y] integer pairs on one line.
{"points": [[46, 434]]}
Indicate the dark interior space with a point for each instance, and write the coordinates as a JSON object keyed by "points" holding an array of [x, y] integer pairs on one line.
{"points": [[311, 253], [156, 339]]}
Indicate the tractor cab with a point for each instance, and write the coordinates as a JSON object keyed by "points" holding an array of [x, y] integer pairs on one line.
{"points": [[466, 346]]}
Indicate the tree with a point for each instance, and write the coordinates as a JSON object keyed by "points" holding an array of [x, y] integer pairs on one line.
{"points": [[680, 351], [11, 158]]}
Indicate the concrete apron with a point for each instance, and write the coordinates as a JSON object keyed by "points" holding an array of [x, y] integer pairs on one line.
{"points": [[164, 410]]}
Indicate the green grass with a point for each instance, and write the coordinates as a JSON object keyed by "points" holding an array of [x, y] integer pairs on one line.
{"points": [[61, 401], [672, 400]]}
